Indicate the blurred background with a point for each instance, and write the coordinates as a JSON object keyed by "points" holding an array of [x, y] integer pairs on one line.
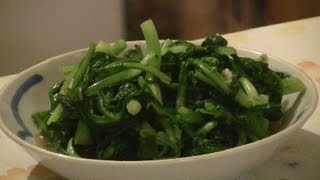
{"points": [[34, 30]]}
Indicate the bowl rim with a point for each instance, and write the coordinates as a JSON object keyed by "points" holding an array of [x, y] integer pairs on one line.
{"points": [[238, 149]]}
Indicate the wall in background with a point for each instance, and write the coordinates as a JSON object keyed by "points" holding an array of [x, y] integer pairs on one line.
{"points": [[33, 30]]}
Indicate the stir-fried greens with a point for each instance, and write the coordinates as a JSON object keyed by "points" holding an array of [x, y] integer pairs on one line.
{"points": [[178, 99]]}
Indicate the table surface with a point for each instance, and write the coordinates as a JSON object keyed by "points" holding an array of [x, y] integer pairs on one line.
{"points": [[296, 42]]}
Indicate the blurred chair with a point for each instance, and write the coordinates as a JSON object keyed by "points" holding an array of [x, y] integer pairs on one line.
{"points": [[190, 19]]}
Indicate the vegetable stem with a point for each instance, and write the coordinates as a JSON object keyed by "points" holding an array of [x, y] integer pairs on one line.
{"points": [[71, 82], [133, 107], [112, 80], [153, 45], [114, 49], [216, 78], [70, 149], [181, 94], [150, 69], [82, 135], [117, 78], [247, 96]]}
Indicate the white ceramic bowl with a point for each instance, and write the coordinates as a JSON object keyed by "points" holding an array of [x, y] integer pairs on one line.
{"points": [[27, 93]]}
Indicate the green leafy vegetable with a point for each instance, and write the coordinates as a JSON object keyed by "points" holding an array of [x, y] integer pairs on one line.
{"points": [[178, 99]]}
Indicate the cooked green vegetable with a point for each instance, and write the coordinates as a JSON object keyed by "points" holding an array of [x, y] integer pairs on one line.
{"points": [[179, 99]]}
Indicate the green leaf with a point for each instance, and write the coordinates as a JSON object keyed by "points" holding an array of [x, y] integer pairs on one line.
{"points": [[292, 85]]}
